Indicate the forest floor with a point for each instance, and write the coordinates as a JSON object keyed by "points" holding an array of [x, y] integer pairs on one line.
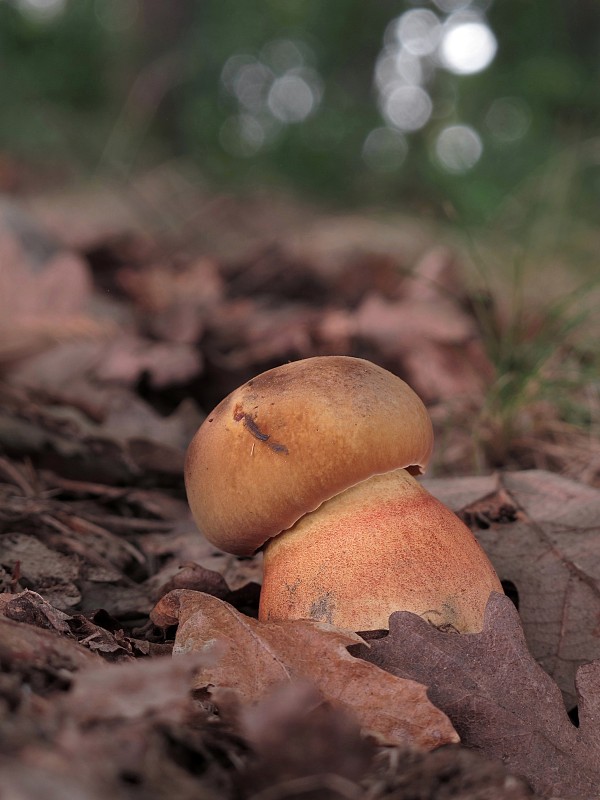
{"points": [[125, 316]]}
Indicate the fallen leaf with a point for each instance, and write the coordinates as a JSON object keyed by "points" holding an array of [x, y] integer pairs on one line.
{"points": [[245, 597], [44, 660], [172, 301], [75, 554], [42, 567], [125, 441], [128, 358], [542, 533], [32, 608], [123, 731], [199, 579], [244, 333], [253, 658], [326, 757], [436, 275], [44, 291], [450, 773], [323, 745], [183, 543], [136, 689], [501, 702], [434, 343]]}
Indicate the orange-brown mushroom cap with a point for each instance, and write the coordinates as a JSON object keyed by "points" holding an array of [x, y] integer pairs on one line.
{"points": [[288, 440]]}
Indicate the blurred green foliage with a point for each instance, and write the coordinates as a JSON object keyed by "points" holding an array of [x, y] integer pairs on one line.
{"points": [[120, 84]]}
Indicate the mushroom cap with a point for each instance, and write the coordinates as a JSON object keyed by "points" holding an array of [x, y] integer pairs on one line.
{"points": [[293, 437]]}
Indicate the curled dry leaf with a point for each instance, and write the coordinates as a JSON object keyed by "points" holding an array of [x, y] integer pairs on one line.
{"points": [[184, 544], [253, 658], [130, 357], [542, 533], [106, 639], [501, 702], [30, 607], [198, 578]]}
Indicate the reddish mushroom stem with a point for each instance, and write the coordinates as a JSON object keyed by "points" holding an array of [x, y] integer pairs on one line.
{"points": [[382, 545]]}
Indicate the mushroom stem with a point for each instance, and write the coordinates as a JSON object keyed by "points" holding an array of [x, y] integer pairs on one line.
{"points": [[380, 546]]}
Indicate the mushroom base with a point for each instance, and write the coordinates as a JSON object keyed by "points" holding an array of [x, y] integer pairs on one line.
{"points": [[381, 546]]}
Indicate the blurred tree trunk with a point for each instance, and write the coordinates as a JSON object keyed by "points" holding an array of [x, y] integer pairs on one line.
{"points": [[162, 31], [164, 24]]}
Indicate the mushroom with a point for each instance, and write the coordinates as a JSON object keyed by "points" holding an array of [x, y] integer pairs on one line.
{"points": [[314, 462]]}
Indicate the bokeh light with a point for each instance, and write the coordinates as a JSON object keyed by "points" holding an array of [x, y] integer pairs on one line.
{"points": [[395, 66], [275, 89], [419, 31], [467, 46], [285, 54], [242, 135], [384, 150], [294, 96], [251, 85], [407, 108], [508, 119], [450, 6], [416, 45], [458, 148], [42, 10]]}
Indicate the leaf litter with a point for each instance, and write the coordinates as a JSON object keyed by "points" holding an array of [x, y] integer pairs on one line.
{"points": [[253, 657], [95, 414], [542, 533], [500, 700]]}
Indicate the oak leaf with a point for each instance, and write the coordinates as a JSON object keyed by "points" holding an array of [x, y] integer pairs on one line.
{"points": [[499, 699], [253, 658], [542, 533]]}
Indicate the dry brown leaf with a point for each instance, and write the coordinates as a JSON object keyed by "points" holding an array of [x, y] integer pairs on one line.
{"points": [[199, 579], [128, 443], [54, 572], [72, 368], [73, 554], [107, 639], [322, 745], [183, 543], [136, 689], [324, 757], [32, 608], [433, 341], [120, 731], [42, 300], [253, 658], [436, 275], [501, 702], [44, 659], [244, 333], [172, 301], [542, 533], [166, 363]]}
